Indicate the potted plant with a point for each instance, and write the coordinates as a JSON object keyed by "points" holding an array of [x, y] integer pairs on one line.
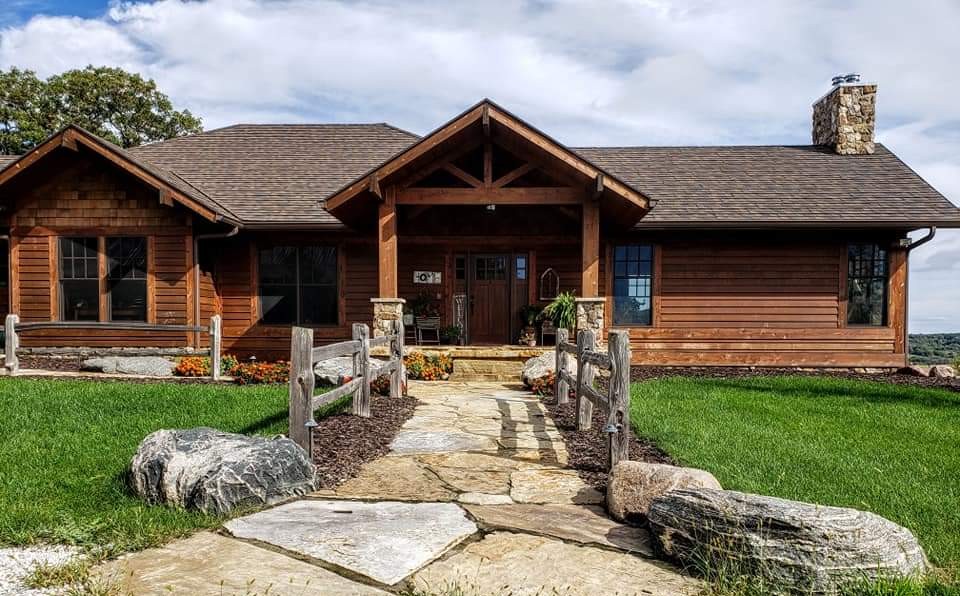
{"points": [[562, 311], [528, 315], [451, 334]]}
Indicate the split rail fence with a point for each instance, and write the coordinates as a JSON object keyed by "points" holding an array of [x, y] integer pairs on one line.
{"points": [[303, 357], [590, 360], [13, 328]]}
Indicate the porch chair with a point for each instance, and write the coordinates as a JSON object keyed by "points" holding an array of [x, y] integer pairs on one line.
{"points": [[547, 328], [432, 326]]}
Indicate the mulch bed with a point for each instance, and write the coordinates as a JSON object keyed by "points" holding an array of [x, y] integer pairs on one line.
{"points": [[342, 443], [588, 449], [66, 363]]}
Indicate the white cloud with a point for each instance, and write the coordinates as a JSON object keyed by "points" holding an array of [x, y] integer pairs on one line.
{"points": [[618, 72]]}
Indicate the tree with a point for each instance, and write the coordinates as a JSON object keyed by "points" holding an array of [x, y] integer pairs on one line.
{"points": [[119, 106]]}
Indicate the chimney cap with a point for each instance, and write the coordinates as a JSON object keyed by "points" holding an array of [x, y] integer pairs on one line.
{"points": [[852, 77]]}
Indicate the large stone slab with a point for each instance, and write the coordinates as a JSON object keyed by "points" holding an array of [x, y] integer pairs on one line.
{"points": [[795, 547], [385, 541], [634, 485], [215, 472], [552, 486], [148, 366], [438, 441], [472, 461], [525, 565], [395, 479], [207, 563], [587, 524]]}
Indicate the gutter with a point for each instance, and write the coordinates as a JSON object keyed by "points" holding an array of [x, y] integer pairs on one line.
{"points": [[906, 290], [196, 272]]}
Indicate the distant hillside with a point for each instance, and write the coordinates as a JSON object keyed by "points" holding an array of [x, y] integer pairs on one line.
{"points": [[934, 348]]}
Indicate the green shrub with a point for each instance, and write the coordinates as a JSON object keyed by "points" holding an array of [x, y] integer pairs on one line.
{"points": [[562, 311]]}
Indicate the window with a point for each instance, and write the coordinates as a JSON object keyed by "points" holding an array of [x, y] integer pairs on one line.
{"points": [[298, 285], [521, 268], [866, 285], [632, 285], [125, 283], [490, 268], [127, 278], [549, 284], [79, 280], [460, 265]]}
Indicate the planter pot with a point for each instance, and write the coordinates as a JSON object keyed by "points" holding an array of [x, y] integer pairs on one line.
{"points": [[408, 320]]}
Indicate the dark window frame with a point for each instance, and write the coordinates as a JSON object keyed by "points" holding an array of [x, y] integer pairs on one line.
{"points": [[297, 285], [135, 274], [863, 273], [102, 261], [629, 255]]}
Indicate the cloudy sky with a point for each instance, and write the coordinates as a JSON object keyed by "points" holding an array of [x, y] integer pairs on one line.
{"points": [[640, 72]]}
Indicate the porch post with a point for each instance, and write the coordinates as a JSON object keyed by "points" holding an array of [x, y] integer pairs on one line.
{"points": [[387, 306], [590, 306]]}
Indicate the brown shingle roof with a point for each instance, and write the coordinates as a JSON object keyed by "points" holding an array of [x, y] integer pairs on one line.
{"points": [[277, 173], [774, 185]]}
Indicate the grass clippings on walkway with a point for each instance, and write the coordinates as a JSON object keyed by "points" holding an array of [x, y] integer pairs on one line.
{"points": [[65, 447], [890, 449]]}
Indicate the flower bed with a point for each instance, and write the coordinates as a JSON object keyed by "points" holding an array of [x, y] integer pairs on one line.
{"points": [[428, 368]]}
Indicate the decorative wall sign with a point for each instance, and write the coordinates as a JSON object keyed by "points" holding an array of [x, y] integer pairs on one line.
{"points": [[426, 277]]}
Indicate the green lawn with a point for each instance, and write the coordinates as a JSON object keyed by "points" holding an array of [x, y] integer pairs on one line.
{"points": [[65, 447], [890, 449]]}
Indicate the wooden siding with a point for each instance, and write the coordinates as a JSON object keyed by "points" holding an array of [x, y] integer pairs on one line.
{"points": [[759, 304], [78, 194]]}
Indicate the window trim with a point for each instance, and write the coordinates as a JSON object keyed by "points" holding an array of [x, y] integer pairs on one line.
{"points": [[257, 296], [612, 278], [846, 277]]}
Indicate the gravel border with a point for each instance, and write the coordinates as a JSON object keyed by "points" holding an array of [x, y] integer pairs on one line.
{"points": [[16, 563]]}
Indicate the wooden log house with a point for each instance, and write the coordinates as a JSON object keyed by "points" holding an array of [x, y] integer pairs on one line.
{"points": [[746, 255]]}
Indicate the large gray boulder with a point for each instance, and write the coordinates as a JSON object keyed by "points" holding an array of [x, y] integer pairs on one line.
{"points": [[211, 471], [633, 486], [148, 366], [542, 365], [794, 547], [333, 370]]}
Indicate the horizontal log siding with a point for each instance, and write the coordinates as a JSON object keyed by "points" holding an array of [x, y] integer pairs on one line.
{"points": [[759, 305], [76, 194]]}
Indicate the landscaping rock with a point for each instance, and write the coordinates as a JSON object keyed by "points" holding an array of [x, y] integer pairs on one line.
{"points": [[942, 371], [396, 479], [148, 366], [542, 365], [333, 370], [438, 441], [633, 486], [552, 486], [794, 547], [215, 472], [916, 370]]}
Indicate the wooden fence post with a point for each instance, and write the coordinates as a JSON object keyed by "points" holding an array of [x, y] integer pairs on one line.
{"points": [[216, 331], [561, 387], [396, 352], [301, 385], [619, 397], [586, 340], [361, 399], [11, 343], [401, 351]]}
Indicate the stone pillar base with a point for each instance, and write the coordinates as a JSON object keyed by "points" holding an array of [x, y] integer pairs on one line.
{"points": [[590, 316], [385, 312]]}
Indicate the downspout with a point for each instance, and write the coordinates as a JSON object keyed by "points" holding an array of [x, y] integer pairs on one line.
{"points": [[906, 289], [196, 273], [6, 238]]}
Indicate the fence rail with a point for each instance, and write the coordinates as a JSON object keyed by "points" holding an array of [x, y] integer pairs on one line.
{"points": [[13, 328], [616, 360], [303, 357]]}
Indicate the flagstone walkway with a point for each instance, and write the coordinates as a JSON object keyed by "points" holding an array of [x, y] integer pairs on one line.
{"points": [[474, 496]]}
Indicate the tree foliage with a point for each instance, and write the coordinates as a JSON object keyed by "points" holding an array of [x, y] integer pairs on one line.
{"points": [[119, 106], [935, 348]]}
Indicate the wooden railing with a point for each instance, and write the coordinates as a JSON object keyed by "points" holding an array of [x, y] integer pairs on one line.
{"points": [[13, 328], [616, 360], [303, 356]]}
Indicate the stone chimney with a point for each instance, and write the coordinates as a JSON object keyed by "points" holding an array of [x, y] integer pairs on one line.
{"points": [[844, 118]]}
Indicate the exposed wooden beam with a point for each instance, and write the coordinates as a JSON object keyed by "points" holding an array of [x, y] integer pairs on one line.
{"points": [[30, 158], [597, 190], [485, 119], [69, 141], [430, 168], [511, 176], [488, 164], [387, 245], [462, 175], [166, 197], [590, 248], [375, 186], [494, 196]]}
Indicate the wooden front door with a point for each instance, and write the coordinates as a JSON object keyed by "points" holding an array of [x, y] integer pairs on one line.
{"points": [[490, 299]]}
